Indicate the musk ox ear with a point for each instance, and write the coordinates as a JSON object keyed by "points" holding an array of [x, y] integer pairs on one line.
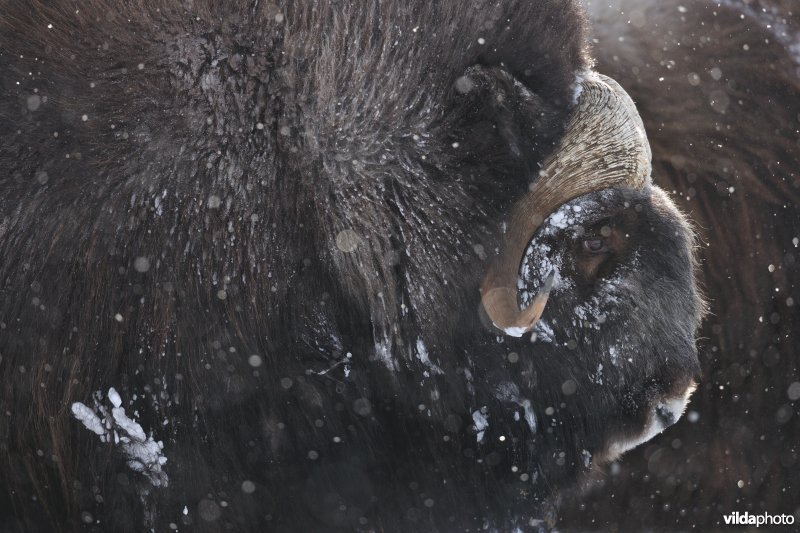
{"points": [[504, 122]]}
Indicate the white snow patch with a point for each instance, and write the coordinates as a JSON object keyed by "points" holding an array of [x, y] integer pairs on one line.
{"points": [[509, 392], [89, 419], [612, 352], [543, 331], [560, 219], [587, 458], [113, 397], [597, 377], [577, 89], [530, 416], [481, 422], [468, 377], [422, 355], [144, 454], [383, 352], [129, 426], [513, 331]]}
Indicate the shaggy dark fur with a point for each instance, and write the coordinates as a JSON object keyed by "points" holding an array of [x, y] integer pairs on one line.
{"points": [[266, 228]]}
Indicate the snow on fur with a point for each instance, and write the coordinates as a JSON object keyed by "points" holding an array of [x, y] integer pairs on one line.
{"points": [[144, 454]]}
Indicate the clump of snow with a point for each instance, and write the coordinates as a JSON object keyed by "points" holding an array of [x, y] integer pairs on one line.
{"points": [[515, 331], [144, 454], [543, 331], [383, 352], [509, 392], [130, 427], [561, 219], [89, 419], [114, 398], [587, 458], [481, 421], [422, 355], [469, 379], [568, 215], [577, 88], [597, 377], [612, 352]]}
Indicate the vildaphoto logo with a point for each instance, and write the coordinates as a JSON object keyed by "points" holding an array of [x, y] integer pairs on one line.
{"points": [[765, 519]]}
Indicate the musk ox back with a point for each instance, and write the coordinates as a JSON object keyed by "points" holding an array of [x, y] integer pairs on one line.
{"points": [[242, 256]]}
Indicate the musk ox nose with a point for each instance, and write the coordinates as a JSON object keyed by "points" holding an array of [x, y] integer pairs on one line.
{"points": [[666, 416], [671, 408], [663, 413]]}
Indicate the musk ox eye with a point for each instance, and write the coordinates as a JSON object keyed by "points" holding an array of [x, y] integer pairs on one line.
{"points": [[595, 246]]}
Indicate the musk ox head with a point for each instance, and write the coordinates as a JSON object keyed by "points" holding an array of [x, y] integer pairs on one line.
{"points": [[618, 257]]}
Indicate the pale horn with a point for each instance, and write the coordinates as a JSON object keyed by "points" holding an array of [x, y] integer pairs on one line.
{"points": [[604, 145]]}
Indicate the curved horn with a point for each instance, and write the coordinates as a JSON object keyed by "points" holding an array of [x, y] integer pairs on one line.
{"points": [[604, 145]]}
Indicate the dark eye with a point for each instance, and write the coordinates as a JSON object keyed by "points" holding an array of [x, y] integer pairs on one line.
{"points": [[594, 246]]}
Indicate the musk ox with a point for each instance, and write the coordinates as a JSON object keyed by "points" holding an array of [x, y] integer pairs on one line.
{"points": [[326, 265]]}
